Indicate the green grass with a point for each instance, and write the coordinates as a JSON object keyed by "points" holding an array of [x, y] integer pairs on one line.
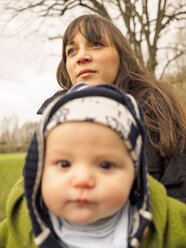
{"points": [[11, 166]]}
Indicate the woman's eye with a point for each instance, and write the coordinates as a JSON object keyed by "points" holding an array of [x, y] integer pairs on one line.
{"points": [[70, 51], [106, 165], [64, 164], [97, 44]]}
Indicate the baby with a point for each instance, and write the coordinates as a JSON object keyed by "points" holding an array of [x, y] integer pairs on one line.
{"points": [[85, 178]]}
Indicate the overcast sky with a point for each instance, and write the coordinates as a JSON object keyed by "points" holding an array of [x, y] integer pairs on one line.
{"points": [[27, 77]]}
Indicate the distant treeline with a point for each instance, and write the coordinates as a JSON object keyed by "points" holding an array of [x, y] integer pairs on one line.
{"points": [[15, 138]]}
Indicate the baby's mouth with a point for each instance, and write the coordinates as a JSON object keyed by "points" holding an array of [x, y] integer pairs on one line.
{"points": [[82, 201]]}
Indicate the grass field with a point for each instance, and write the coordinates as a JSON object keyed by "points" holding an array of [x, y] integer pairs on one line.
{"points": [[11, 166]]}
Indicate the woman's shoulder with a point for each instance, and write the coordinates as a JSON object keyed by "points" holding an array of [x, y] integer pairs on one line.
{"points": [[174, 176], [171, 172]]}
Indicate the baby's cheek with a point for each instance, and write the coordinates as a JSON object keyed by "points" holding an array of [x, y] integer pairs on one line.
{"points": [[50, 197], [117, 198]]}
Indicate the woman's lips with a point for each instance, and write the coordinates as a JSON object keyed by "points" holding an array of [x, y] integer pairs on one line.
{"points": [[85, 73]]}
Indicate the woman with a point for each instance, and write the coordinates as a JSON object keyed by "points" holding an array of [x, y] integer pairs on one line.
{"points": [[95, 52]]}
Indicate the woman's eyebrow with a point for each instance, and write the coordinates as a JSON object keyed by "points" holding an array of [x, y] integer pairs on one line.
{"points": [[101, 38], [69, 43]]}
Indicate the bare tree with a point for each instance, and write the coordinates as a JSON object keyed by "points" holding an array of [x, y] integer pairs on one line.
{"points": [[144, 22], [14, 137], [9, 130], [26, 132]]}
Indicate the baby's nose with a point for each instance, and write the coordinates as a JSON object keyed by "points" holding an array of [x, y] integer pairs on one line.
{"points": [[83, 179]]}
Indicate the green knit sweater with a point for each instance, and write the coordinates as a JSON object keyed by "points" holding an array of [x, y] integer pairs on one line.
{"points": [[167, 230]]}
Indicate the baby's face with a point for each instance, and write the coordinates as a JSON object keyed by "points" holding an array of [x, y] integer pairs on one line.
{"points": [[88, 172]]}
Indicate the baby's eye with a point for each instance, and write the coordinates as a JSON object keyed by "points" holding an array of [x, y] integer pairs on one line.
{"points": [[64, 164], [107, 165]]}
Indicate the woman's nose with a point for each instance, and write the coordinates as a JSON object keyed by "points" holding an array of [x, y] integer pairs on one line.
{"points": [[83, 57], [83, 179]]}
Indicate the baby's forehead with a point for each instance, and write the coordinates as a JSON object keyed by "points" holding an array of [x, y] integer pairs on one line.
{"points": [[97, 137], [75, 126]]}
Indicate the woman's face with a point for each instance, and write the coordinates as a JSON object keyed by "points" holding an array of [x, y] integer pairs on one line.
{"points": [[92, 63]]}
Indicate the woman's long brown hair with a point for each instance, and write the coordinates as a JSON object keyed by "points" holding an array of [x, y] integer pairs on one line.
{"points": [[165, 117]]}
